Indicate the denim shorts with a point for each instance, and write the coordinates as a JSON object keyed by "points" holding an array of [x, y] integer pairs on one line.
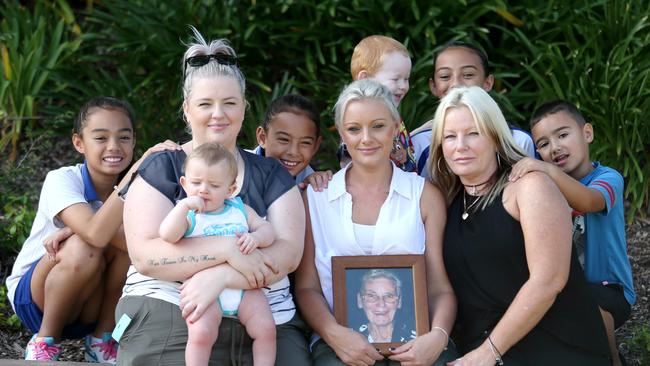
{"points": [[31, 315]]}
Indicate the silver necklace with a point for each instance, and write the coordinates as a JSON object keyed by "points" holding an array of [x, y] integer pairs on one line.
{"points": [[466, 208]]}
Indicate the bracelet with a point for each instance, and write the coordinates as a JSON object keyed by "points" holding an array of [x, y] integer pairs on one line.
{"points": [[495, 352], [120, 194], [446, 335]]}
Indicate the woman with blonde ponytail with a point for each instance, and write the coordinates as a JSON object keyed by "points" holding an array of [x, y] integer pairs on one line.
{"points": [[154, 305]]}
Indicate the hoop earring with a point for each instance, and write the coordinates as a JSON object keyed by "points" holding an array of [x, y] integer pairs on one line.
{"points": [[438, 164], [498, 160]]}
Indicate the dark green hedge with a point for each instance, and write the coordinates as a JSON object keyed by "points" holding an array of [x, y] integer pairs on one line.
{"points": [[595, 53]]}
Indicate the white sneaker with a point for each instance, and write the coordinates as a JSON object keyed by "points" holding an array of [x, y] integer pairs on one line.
{"points": [[42, 349], [102, 350]]}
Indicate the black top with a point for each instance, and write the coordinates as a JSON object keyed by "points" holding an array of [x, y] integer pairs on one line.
{"points": [[485, 259], [264, 178]]}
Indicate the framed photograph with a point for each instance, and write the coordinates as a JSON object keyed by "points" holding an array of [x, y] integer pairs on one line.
{"points": [[383, 297]]}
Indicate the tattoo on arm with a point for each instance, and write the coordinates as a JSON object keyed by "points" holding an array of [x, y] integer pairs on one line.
{"points": [[164, 261]]}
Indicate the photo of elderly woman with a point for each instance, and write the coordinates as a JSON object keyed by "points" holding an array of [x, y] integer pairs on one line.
{"points": [[380, 304]]}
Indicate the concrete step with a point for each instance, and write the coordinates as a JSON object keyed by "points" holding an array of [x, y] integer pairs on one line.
{"points": [[48, 363]]}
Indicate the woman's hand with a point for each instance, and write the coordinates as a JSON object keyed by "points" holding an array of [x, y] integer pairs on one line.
{"points": [[423, 350], [480, 356], [317, 180], [353, 348], [255, 266], [53, 242], [201, 290]]}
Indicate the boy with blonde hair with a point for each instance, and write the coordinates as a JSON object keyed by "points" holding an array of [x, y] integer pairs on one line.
{"points": [[387, 61]]}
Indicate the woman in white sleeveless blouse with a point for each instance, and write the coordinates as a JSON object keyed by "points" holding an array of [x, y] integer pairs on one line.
{"points": [[372, 208]]}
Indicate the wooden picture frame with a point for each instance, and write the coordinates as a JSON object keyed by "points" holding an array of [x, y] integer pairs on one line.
{"points": [[410, 312]]}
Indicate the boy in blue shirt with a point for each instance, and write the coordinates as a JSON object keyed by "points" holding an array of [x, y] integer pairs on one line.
{"points": [[595, 192]]}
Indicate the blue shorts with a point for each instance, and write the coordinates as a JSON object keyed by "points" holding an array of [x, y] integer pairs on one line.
{"points": [[32, 317]]}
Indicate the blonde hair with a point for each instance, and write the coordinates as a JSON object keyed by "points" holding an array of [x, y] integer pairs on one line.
{"points": [[213, 153], [491, 123], [213, 68], [369, 52], [361, 90]]}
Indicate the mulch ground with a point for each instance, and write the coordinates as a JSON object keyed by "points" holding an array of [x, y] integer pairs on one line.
{"points": [[47, 154]]}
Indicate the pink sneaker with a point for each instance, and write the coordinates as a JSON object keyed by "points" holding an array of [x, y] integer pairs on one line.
{"points": [[101, 350], [42, 349]]}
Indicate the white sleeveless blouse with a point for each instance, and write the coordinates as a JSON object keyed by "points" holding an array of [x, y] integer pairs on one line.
{"points": [[399, 228]]}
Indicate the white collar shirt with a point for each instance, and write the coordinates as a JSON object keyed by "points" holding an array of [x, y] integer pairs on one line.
{"points": [[399, 228]]}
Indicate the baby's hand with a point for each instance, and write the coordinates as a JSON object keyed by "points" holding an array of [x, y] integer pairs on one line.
{"points": [[194, 203], [247, 242], [526, 165]]}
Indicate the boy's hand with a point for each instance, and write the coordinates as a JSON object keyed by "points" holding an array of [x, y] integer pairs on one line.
{"points": [[527, 165], [194, 203], [398, 154], [317, 180], [247, 242], [162, 146]]}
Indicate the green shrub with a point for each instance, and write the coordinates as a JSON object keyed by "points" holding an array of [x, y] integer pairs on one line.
{"points": [[17, 219], [17, 210], [640, 343], [33, 43], [594, 53], [601, 61], [7, 322], [132, 49], [20, 186]]}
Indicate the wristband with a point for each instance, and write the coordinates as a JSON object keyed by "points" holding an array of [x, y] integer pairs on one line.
{"points": [[120, 194]]}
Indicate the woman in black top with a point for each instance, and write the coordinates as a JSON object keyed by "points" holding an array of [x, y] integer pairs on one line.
{"points": [[522, 299], [213, 106]]}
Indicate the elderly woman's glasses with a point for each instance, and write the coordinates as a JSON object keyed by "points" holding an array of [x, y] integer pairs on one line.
{"points": [[200, 60], [373, 298]]}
